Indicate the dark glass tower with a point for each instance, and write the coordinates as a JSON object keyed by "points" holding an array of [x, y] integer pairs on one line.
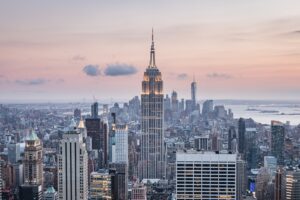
{"points": [[277, 141], [241, 133], [152, 158]]}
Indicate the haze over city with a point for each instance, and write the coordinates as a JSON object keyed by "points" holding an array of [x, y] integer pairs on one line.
{"points": [[76, 50]]}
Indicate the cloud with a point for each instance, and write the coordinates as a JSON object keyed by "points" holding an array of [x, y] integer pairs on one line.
{"points": [[78, 58], [119, 70], [182, 76], [219, 76], [32, 82], [92, 70], [60, 80]]}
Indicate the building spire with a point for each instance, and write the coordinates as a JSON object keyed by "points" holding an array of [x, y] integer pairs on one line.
{"points": [[152, 53]]}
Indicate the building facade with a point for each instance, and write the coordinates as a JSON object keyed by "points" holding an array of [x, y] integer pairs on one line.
{"points": [[206, 175], [73, 165]]}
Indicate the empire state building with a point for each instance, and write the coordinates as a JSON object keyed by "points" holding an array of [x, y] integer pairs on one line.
{"points": [[152, 163]]}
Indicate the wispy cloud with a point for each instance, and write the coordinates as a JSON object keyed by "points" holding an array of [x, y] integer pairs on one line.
{"points": [[32, 82], [92, 70], [215, 75], [78, 58], [119, 70], [182, 76]]}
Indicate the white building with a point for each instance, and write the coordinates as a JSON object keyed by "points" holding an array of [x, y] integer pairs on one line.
{"points": [[73, 165], [121, 142], [206, 175]]}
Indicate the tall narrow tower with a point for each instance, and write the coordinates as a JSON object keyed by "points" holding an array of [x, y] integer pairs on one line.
{"points": [[72, 165], [152, 159], [194, 93], [33, 169]]}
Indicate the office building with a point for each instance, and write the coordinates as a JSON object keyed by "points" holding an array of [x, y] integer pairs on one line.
{"points": [[121, 141], [292, 185], [100, 185], [152, 160], [270, 162], [277, 141], [73, 165], [241, 136], [97, 130], [206, 175], [231, 137], [207, 108], [201, 143], [94, 110], [119, 180]]}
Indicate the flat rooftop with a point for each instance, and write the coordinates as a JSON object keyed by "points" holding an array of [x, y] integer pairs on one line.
{"points": [[207, 156]]}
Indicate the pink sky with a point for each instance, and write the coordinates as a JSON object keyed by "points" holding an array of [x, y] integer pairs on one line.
{"points": [[235, 49]]}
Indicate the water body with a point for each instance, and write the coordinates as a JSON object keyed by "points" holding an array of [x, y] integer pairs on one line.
{"points": [[264, 111]]}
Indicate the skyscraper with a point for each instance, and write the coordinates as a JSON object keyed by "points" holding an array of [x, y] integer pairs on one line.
{"points": [[72, 165], [231, 136], [208, 108], [241, 136], [119, 180], [152, 159], [194, 93], [277, 141], [97, 130], [33, 168], [94, 110]]}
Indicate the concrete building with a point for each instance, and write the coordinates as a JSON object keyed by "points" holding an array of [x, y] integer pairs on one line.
{"points": [[206, 175], [73, 165]]}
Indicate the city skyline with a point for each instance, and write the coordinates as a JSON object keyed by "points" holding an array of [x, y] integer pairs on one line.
{"points": [[240, 50]]}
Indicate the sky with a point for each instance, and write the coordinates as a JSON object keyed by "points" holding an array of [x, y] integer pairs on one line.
{"points": [[84, 50]]}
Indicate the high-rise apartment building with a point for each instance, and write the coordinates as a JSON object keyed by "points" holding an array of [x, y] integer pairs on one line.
{"points": [[73, 165], [206, 175], [152, 160]]}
